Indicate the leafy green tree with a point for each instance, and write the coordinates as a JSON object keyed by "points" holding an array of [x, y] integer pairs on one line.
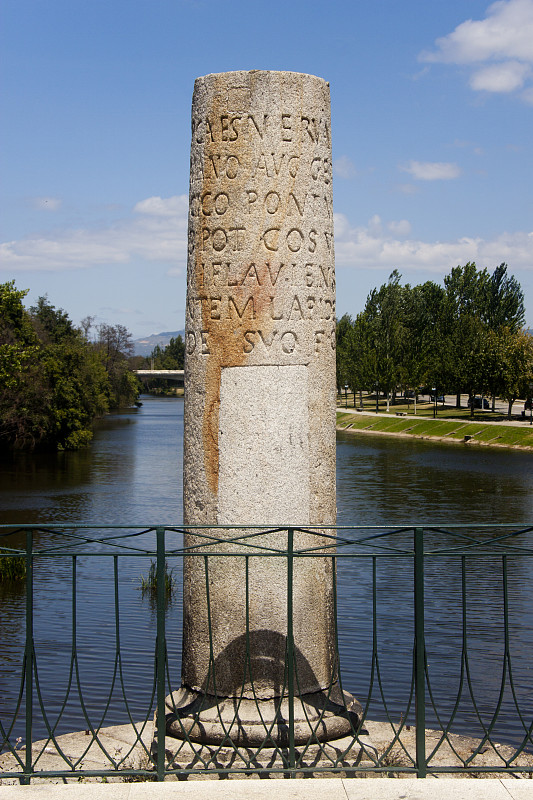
{"points": [[479, 303], [174, 355], [463, 337], [503, 311], [466, 292], [53, 381], [384, 317], [511, 363], [75, 381], [343, 351], [20, 389], [18, 341], [504, 301], [426, 352], [361, 366], [114, 346], [55, 387], [52, 324]]}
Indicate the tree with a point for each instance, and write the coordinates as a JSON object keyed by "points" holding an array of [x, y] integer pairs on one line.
{"points": [[513, 364], [52, 324], [174, 354], [466, 292], [53, 386], [361, 366], [18, 341], [20, 389], [504, 301], [343, 355], [426, 352], [114, 346], [385, 317], [53, 381]]}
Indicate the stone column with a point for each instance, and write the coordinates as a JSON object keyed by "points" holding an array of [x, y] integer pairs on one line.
{"points": [[259, 445]]}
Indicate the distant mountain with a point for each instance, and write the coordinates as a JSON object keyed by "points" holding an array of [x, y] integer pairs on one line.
{"points": [[145, 345]]}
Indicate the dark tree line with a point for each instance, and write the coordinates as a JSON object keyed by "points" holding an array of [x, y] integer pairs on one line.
{"points": [[55, 380], [170, 357], [464, 337]]}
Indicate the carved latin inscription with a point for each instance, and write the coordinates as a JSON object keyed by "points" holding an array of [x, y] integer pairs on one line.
{"points": [[261, 220], [261, 275]]}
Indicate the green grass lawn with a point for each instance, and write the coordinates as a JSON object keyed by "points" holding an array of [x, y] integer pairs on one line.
{"points": [[456, 428]]}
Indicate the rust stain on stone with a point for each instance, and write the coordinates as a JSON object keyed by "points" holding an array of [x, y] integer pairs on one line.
{"points": [[248, 307], [225, 336], [227, 344]]}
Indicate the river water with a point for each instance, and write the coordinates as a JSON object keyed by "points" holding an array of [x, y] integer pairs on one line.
{"points": [[132, 475]]}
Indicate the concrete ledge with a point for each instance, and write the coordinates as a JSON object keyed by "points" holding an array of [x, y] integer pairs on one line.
{"points": [[304, 789]]}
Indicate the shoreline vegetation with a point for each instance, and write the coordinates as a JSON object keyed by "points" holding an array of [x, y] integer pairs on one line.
{"points": [[467, 337], [56, 379], [450, 426]]}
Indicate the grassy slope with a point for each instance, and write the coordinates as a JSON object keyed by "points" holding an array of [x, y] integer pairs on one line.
{"points": [[445, 429]]}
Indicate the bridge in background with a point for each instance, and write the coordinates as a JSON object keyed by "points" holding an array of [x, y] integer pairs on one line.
{"points": [[175, 375]]}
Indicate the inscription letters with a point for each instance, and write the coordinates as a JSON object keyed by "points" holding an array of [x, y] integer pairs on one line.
{"points": [[288, 127], [261, 218]]}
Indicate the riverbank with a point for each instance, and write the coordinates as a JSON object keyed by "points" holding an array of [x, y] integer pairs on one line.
{"points": [[514, 435]]}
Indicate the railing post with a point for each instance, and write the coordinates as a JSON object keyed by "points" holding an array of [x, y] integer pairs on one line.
{"points": [[160, 653], [28, 656], [419, 660], [290, 645]]}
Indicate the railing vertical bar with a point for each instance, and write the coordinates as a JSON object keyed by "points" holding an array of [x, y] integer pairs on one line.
{"points": [[290, 646], [161, 653], [419, 661], [28, 655]]}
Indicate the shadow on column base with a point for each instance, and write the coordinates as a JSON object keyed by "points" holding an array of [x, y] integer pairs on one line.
{"points": [[318, 717]]}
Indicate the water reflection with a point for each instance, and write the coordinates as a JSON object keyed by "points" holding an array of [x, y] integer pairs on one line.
{"points": [[130, 475], [387, 481]]}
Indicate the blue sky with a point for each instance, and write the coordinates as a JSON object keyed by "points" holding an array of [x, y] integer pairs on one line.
{"points": [[432, 105]]}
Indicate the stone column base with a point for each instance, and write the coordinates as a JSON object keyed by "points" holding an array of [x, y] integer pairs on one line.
{"points": [[345, 757], [318, 717]]}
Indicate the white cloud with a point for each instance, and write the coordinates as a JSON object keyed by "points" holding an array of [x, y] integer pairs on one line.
{"points": [[503, 40], [505, 77], [369, 248], [163, 206], [157, 233], [401, 227], [506, 32], [374, 225], [158, 236], [431, 170], [344, 168]]}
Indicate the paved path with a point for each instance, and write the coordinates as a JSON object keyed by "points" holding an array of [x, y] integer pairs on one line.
{"points": [[300, 789], [441, 416]]}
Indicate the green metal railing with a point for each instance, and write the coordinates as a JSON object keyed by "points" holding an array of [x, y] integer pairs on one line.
{"points": [[410, 559]]}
